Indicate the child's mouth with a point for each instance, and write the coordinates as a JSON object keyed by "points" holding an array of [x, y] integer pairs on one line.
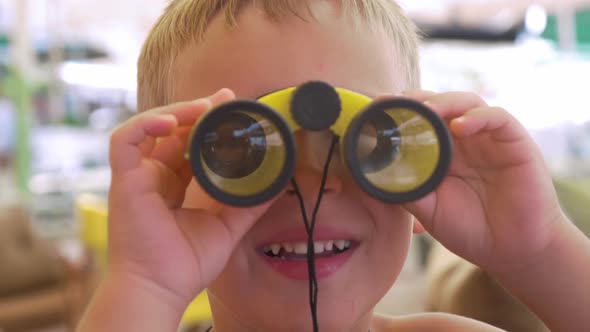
{"points": [[298, 251], [290, 258]]}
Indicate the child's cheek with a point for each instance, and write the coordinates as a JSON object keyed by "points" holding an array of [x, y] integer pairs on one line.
{"points": [[384, 213]]}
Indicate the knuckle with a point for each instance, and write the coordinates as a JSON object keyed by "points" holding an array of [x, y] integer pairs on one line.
{"points": [[120, 133], [117, 136], [475, 97]]}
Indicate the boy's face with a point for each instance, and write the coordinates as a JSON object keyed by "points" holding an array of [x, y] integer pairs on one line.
{"points": [[270, 293]]}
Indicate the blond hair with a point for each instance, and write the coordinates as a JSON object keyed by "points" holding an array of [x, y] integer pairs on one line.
{"points": [[186, 21]]}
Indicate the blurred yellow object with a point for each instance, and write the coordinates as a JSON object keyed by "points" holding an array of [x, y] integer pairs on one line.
{"points": [[92, 211]]}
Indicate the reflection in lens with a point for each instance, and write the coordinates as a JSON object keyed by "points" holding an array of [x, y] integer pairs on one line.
{"points": [[408, 153], [235, 146], [378, 143]]}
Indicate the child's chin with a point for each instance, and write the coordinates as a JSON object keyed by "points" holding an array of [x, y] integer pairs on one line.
{"points": [[304, 324], [334, 314]]}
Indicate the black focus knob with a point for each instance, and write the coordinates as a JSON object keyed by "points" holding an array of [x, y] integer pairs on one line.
{"points": [[316, 106]]}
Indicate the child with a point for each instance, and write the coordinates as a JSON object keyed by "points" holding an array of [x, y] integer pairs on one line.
{"points": [[497, 207]]}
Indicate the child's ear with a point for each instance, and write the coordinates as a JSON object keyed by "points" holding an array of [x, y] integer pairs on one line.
{"points": [[417, 227]]}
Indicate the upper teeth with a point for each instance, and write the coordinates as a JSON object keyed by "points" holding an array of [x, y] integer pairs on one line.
{"points": [[301, 247]]}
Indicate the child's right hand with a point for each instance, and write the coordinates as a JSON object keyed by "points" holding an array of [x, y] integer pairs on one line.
{"points": [[153, 240]]}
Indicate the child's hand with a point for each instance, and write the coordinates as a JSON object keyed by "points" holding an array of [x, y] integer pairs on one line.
{"points": [[152, 239], [497, 207]]}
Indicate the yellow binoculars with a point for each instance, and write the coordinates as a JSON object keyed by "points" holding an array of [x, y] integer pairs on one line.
{"points": [[243, 152]]}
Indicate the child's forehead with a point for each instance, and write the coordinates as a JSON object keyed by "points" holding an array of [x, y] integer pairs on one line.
{"points": [[259, 56]]}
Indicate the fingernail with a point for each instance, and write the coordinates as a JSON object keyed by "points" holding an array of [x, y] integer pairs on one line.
{"points": [[459, 119], [211, 96], [220, 91], [216, 93], [200, 99]]}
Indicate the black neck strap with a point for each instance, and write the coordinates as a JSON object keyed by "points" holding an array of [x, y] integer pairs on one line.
{"points": [[313, 284]]}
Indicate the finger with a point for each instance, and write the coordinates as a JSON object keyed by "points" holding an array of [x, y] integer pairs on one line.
{"points": [[189, 111], [231, 217], [126, 141], [417, 227], [174, 187], [418, 95], [214, 238], [501, 124], [423, 210], [222, 96], [451, 105], [186, 112], [185, 173], [170, 150], [134, 138], [197, 198], [386, 97], [147, 146], [125, 151]]}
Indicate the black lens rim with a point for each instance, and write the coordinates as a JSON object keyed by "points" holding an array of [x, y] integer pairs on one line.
{"points": [[352, 161], [289, 144]]}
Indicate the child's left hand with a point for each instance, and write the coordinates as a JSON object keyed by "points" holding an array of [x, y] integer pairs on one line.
{"points": [[497, 207]]}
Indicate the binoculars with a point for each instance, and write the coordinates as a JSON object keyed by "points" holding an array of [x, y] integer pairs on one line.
{"points": [[243, 152]]}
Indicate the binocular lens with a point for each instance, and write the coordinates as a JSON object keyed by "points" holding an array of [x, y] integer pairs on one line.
{"points": [[398, 146], [235, 146], [242, 153]]}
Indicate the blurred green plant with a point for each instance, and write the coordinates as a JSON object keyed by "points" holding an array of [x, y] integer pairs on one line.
{"points": [[14, 86], [574, 196]]}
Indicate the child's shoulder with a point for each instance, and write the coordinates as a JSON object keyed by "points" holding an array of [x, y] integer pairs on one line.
{"points": [[439, 322]]}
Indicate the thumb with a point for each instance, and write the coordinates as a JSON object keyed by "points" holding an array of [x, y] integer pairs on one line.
{"points": [[213, 237]]}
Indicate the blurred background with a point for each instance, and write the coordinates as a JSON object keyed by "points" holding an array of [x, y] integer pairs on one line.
{"points": [[68, 77]]}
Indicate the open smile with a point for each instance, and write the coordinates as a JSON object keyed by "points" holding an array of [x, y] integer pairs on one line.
{"points": [[298, 250], [289, 258]]}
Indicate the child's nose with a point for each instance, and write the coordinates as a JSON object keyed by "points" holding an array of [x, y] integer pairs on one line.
{"points": [[312, 154]]}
